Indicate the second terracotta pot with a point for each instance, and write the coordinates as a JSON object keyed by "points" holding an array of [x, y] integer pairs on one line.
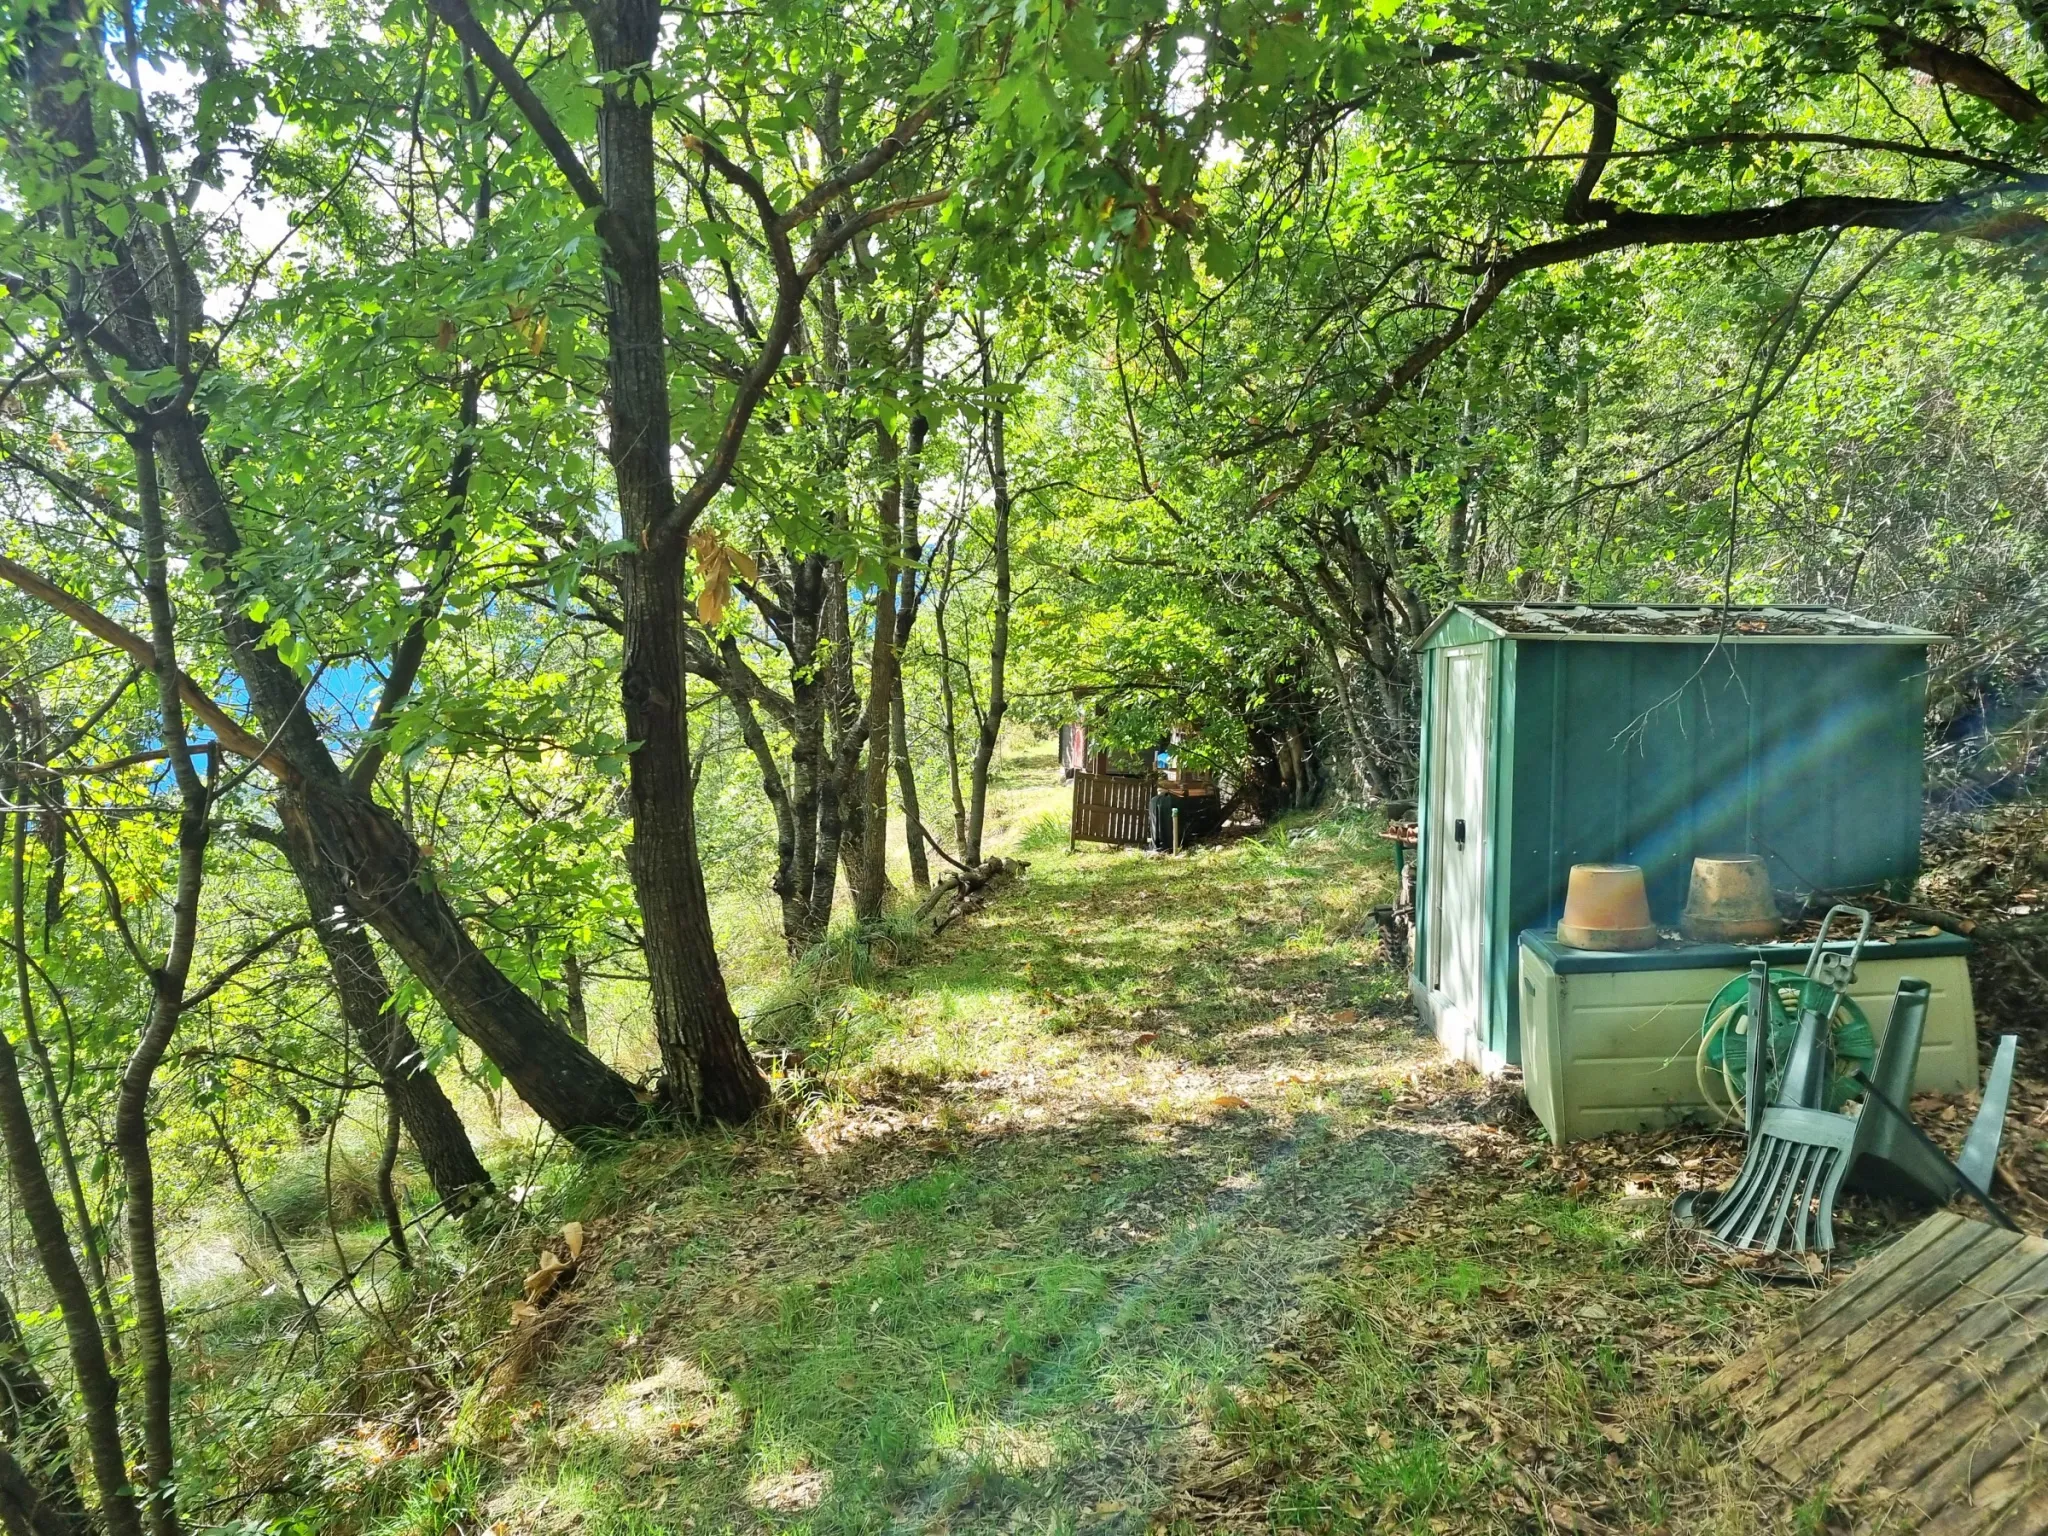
{"points": [[1731, 902]]}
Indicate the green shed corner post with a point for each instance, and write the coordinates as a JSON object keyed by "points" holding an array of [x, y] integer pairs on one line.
{"points": [[1460, 805], [1556, 734]]}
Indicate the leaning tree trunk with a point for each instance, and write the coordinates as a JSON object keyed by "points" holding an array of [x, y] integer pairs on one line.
{"points": [[378, 865], [456, 1172], [387, 882], [368, 851]]}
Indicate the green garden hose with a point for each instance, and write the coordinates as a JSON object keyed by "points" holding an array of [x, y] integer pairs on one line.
{"points": [[1726, 1031]]}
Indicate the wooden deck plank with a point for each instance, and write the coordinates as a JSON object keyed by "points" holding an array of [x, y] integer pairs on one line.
{"points": [[1995, 1494], [1888, 1311], [1993, 1435], [1911, 1358], [2027, 1517], [1909, 1445], [1892, 1277], [1731, 1377], [1921, 1385]]}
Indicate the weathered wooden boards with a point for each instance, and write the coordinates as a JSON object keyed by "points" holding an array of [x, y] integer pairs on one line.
{"points": [[1112, 808], [1920, 1386]]}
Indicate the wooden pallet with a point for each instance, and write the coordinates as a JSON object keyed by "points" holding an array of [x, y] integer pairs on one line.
{"points": [[1920, 1385], [1112, 808]]}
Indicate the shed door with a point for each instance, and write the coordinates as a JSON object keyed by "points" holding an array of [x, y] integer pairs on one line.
{"points": [[1458, 837]]}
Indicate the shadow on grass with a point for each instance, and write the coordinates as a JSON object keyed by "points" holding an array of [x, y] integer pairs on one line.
{"points": [[1026, 1331], [1016, 1304]]}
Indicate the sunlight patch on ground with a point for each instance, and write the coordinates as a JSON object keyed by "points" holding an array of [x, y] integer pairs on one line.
{"points": [[790, 1493], [677, 1402], [1085, 1153]]}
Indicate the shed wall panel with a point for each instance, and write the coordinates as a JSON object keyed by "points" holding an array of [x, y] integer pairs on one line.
{"points": [[1654, 754]]}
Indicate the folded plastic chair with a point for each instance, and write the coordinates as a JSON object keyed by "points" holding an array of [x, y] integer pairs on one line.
{"points": [[1784, 1197], [1799, 1155], [1893, 1155]]}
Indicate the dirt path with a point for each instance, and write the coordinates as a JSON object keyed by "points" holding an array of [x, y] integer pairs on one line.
{"points": [[1134, 1203], [1067, 1177]]}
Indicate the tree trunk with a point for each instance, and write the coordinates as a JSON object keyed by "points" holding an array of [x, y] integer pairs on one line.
{"points": [[385, 880], [167, 1002], [452, 1166], [387, 1191], [950, 715], [572, 987], [32, 1416], [53, 1098], [871, 889], [378, 865], [906, 789], [368, 851], [707, 1070], [999, 638], [98, 1393], [906, 619], [29, 1510]]}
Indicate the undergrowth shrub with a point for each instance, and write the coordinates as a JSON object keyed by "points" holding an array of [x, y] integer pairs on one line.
{"points": [[1044, 833], [297, 1194]]}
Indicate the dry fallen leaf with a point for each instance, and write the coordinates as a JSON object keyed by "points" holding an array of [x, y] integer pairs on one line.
{"points": [[542, 1280], [572, 1235], [1231, 1101]]}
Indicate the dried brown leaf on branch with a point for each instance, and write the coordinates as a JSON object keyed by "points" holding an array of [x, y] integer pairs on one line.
{"points": [[717, 563]]}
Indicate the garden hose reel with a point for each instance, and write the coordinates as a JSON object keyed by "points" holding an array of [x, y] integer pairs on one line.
{"points": [[1727, 1032]]}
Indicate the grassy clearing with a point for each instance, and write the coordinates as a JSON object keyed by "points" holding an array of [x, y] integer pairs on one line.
{"points": [[1503, 1357], [1132, 1203]]}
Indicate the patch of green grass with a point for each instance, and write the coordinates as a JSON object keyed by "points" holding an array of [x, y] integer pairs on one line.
{"points": [[447, 1496], [1044, 833], [1054, 1185], [1507, 1359]]}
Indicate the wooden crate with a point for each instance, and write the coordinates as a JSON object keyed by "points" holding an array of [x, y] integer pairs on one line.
{"points": [[1113, 808]]}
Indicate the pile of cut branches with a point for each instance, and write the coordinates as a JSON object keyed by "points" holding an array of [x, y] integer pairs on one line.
{"points": [[1987, 879], [966, 890]]}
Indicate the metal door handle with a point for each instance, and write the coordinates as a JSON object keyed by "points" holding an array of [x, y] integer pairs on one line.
{"points": [[1458, 831]]}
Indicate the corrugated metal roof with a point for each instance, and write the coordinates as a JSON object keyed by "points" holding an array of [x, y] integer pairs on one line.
{"points": [[1679, 621]]}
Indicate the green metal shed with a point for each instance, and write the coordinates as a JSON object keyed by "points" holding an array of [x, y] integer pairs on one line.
{"points": [[1556, 734]]}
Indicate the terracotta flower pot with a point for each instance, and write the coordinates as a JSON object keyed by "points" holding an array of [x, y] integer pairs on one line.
{"points": [[1605, 907], [1731, 902]]}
